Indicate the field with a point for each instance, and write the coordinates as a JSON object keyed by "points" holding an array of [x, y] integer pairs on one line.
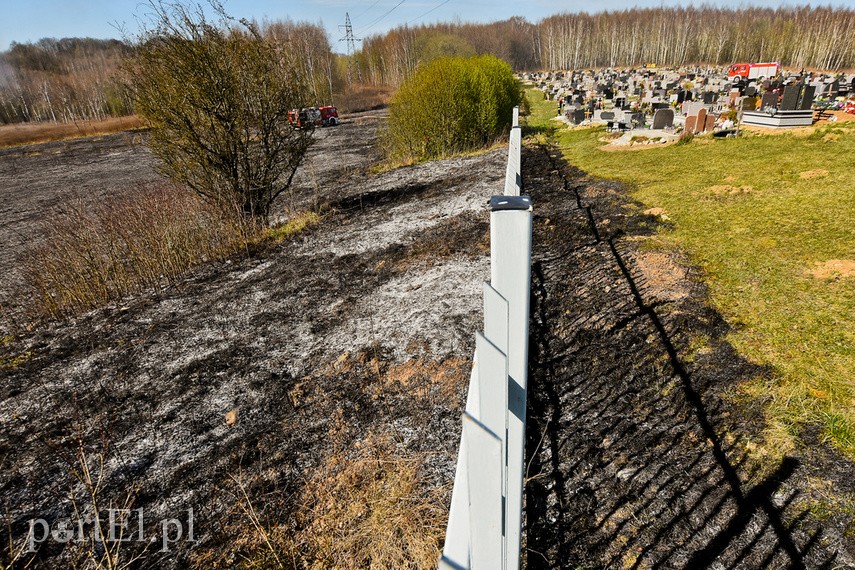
{"points": [[29, 133], [304, 399], [768, 219], [272, 383]]}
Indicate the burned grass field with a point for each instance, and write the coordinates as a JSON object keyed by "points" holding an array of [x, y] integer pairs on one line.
{"points": [[261, 386], [302, 401]]}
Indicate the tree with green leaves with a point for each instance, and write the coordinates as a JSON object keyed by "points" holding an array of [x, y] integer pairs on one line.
{"points": [[216, 96], [451, 105]]}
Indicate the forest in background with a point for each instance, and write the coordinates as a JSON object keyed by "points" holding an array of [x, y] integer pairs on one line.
{"points": [[79, 79]]}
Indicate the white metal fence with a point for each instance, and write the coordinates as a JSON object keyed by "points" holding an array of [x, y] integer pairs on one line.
{"points": [[485, 520]]}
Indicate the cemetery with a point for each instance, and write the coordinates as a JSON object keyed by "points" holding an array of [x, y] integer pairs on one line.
{"points": [[664, 104]]}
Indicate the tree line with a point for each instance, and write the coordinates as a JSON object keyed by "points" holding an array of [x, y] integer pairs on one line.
{"points": [[62, 80], [803, 37], [72, 79]]}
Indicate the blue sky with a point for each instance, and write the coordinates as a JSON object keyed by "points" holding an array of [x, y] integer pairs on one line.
{"points": [[30, 20]]}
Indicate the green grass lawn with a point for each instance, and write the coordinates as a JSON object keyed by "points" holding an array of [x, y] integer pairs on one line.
{"points": [[758, 215]]}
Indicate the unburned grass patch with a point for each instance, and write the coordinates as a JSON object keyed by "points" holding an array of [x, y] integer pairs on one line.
{"points": [[363, 507], [31, 133], [369, 509]]}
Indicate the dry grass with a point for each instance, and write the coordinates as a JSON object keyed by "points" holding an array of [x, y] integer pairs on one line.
{"points": [[90, 254], [357, 98], [31, 133], [369, 511], [365, 506]]}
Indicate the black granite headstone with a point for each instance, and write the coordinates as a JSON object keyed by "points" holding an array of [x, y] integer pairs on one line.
{"points": [[806, 102], [663, 118], [791, 97], [769, 99]]}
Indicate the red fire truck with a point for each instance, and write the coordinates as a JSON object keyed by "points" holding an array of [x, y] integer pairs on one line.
{"points": [[753, 70], [326, 116]]}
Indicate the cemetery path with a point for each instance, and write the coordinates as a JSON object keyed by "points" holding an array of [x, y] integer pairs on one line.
{"points": [[636, 451]]}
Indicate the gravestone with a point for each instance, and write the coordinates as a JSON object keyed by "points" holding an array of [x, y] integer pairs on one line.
{"points": [[791, 97], [701, 121], [692, 107], [657, 106], [709, 97], [750, 91], [806, 101], [663, 118], [637, 119], [607, 116], [733, 95], [578, 117], [690, 124], [748, 103], [833, 88], [769, 99], [710, 124]]}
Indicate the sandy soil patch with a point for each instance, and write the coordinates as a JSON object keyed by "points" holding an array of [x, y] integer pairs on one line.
{"points": [[834, 269], [729, 190], [811, 174], [663, 277]]}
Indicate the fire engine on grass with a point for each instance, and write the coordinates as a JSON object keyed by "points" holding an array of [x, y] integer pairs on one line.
{"points": [[753, 70], [326, 116]]}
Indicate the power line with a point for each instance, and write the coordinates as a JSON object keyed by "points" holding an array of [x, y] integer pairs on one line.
{"points": [[351, 48], [366, 10], [375, 22], [440, 5]]}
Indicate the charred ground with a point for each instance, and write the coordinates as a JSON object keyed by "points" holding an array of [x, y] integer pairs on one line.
{"points": [[351, 342]]}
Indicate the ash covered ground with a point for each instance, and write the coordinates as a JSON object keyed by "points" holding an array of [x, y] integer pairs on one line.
{"points": [[261, 368], [304, 344]]}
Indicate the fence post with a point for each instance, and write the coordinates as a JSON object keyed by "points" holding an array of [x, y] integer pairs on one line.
{"points": [[484, 458], [510, 276], [456, 548], [513, 177]]}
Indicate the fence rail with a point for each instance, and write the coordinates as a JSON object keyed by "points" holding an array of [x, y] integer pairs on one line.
{"points": [[485, 520]]}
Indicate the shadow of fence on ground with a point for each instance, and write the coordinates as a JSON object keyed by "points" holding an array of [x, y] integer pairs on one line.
{"points": [[630, 464]]}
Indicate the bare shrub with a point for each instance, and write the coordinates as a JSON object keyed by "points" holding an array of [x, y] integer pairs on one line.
{"points": [[90, 254]]}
